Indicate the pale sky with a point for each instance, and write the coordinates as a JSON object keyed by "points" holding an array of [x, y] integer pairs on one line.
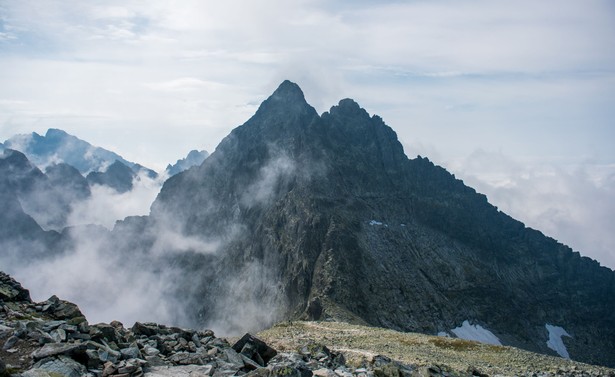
{"points": [[515, 97]]}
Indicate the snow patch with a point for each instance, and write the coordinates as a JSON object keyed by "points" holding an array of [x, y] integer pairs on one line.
{"points": [[555, 341], [374, 222], [476, 332]]}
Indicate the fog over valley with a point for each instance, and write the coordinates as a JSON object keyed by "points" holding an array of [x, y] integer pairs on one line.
{"points": [[443, 168]]}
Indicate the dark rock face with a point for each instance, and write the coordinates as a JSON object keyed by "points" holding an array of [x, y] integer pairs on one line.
{"points": [[22, 184], [194, 158], [16, 176], [11, 290], [18, 173], [117, 176], [341, 223], [45, 196], [70, 180]]}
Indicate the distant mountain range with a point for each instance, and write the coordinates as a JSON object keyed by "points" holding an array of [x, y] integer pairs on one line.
{"points": [[194, 158], [49, 174], [298, 215], [58, 146], [99, 165]]}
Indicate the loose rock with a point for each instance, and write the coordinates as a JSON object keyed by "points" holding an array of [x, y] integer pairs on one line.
{"points": [[56, 340]]}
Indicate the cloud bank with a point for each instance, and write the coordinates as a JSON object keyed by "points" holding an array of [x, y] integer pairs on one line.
{"points": [[575, 205]]}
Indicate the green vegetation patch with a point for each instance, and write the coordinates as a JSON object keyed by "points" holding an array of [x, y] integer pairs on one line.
{"points": [[454, 344]]}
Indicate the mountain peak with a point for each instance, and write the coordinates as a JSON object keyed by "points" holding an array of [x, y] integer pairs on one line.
{"points": [[54, 132], [349, 107], [14, 157], [288, 96], [286, 100], [348, 103], [288, 90]]}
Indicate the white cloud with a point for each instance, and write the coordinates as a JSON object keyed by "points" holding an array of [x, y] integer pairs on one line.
{"points": [[184, 83], [491, 36], [106, 206], [82, 275], [6, 36]]}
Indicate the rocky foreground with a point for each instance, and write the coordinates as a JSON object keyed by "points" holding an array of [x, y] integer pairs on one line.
{"points": [[54, 339]]}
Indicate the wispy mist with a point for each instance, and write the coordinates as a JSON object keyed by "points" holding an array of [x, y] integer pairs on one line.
{"points": [[106, 205], [91, 269], [270, 177], [252, 301], [117, 264], [105, 284]]}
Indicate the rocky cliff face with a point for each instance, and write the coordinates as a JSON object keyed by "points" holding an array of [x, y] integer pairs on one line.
{"points": [[117, 176], [325, 217]]}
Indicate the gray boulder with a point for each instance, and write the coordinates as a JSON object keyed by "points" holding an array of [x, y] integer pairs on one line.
{"points": [[61, 309], [147, 329], [11, 290], [131, 353], [59, 366], [254, 349]]}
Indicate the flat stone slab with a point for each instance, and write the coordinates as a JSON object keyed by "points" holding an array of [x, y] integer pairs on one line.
{"points": [[180, 371], [53, 349]]}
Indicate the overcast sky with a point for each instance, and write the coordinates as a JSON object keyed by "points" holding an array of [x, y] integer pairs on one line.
{"points": [[516, 98]]}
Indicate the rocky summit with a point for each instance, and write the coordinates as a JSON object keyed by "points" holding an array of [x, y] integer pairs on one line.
{"points": [[54, 339], [323, 217]]}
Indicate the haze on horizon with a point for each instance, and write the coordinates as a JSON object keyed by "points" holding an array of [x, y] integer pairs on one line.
{"points": [[516, 98]]}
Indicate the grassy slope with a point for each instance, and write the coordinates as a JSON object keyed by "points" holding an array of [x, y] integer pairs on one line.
{"points": [[360, 343]]}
